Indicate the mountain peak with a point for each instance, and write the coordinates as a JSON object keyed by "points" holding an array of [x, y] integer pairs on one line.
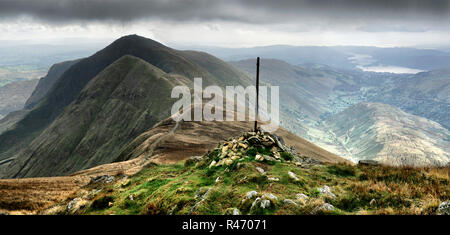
{"points": [[134, 40]]}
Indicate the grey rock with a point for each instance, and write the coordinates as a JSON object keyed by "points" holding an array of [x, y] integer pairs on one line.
{"points": [[251, 194], [236, 211], [255, 203], [269, 196], [104, 178], [301, 196], [289, 201], [273, 179], [253, 140], [232, 211], [326, 191], [72, 203], [279, 142], [261, 170], [368, 163], [444, 208], [265, 203], [323, 208], [269, 158], [293, 176]]}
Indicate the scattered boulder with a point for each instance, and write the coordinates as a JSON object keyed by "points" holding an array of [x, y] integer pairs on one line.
{"points": [[303, 161], [326, 207], [251, 194], [368, 163], [260, 203], [269, 158], [232, 211], [76, 204], [293, 176], [265, 204], [444, 208], [326, 191], [290, 202], [269, 196], [259, 157], [102, 179], [275, 179], [301, 197], [260, 170]]}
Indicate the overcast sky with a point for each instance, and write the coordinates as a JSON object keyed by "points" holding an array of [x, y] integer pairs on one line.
{"points": [[232, 23]]}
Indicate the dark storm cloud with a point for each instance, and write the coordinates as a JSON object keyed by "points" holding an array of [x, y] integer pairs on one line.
{"points": [[250, 11]]}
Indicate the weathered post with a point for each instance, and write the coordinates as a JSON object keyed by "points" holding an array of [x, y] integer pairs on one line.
{"points": [[257, 94]]}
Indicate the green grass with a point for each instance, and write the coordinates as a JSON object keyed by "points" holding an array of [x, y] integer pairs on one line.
{"points": [[171, 189]]}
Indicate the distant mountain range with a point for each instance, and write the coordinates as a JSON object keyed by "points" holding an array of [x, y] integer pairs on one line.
{"points": [[344, 57], [315, 98]]}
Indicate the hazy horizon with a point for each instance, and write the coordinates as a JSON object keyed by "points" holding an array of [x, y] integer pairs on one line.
{"points": [[231, 24]]}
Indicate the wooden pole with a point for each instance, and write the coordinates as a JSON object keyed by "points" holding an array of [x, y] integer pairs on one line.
{"points": [[257, 94]]}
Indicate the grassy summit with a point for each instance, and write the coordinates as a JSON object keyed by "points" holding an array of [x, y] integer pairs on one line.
{"points": [[250, 185]]}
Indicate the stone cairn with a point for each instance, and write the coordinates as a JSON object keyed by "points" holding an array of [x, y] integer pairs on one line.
{"points": [[234, 149]]}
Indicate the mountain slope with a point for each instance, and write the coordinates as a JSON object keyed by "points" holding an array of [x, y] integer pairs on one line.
{"points": [[124, 100], [424, 94], [45, 83], [72, 81], [391, 136], [14, 95]]}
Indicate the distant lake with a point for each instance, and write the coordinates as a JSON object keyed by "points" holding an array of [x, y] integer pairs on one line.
{"points": [[390, 69], [365, 63]]}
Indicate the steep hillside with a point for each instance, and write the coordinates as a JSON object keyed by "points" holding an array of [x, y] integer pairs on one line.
{"points": [[11, 119], [425, 94], [121, 102], [45, 83], [14, 95], [387, 134], [72, 81]]}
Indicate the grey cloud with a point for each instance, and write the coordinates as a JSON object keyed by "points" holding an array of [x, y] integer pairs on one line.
{"points": [[249, 11]]}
